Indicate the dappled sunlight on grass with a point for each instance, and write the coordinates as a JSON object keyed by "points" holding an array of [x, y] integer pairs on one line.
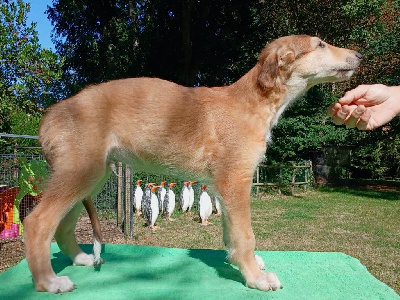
{"points": [[363, 192]]}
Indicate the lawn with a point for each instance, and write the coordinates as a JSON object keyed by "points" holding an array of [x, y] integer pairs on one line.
{"points": [[363, 223]]}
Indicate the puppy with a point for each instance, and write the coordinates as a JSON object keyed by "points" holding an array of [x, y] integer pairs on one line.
{"points": [[216, 135]]}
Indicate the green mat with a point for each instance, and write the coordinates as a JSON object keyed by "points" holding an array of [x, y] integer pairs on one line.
{"points": [[141, 272]]}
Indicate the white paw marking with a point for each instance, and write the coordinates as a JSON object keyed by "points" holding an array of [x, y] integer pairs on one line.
{"points": [[260, 262], [97, 252], [271, 279], [266, 282], [60, 285], [83, 259]]}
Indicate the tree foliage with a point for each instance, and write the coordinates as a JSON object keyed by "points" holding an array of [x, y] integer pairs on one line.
{"points": [[190, 42], [204, 42], [212, 42], [29, 76], [215, 42]]}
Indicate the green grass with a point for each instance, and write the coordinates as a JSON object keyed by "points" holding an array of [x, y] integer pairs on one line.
{"points": [[359, 222]]}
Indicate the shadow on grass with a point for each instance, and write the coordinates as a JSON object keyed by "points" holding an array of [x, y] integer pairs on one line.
{"points": [[362, 191]]}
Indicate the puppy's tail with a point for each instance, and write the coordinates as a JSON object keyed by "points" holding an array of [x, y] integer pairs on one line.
{"points": [[97, 238]]}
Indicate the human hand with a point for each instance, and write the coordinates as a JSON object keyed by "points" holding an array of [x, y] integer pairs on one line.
{"points": [[366, 107]]}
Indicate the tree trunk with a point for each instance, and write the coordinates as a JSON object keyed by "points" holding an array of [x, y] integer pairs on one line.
{"points": [[186, 77]]}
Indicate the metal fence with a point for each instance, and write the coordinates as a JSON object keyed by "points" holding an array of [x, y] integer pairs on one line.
{"points": [[105, 201], [115, 199]]}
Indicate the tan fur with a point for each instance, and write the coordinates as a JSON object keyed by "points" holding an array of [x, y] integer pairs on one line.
{"points": [[216, 135]]}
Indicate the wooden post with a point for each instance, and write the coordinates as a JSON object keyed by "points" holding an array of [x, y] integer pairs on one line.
{"points": [[120, 195], [280, 179], [306, 178], [258, 179], [307, 167], [128, 201], [293, 180]]}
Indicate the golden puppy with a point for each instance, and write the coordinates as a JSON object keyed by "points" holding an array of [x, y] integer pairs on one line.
{"points": [[217, 135]]}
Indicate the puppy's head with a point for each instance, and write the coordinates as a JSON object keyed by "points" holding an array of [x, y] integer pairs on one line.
{"points": [[305, 58]]}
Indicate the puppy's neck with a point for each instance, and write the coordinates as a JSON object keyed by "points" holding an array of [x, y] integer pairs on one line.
{"points": [[277, 99], [295, 88]]}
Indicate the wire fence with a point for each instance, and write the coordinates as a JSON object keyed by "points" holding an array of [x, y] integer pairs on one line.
{"points": [[10, 169], [115, 200]]}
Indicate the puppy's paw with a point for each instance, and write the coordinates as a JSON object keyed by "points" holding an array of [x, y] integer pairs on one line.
{"points": [[59, 285], [273, 281], [266, 282], [83, 259], [260, 262]]}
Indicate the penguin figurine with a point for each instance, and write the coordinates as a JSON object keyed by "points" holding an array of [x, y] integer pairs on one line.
{"points": [[191, 194], [205, 206], [161, 195], [152, 209], [217, 204], [137, 198], [184, 197], [169, 202], [146, 200]]}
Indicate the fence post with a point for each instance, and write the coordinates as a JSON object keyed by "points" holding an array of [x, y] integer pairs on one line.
{"points": [[128, 200], [16, 171], [258, 179], [311, 178], [280, 179], [306, 178], [293, 180], [120, 195]]}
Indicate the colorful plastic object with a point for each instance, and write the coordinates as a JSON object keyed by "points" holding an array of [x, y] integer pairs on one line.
{"points": [[7, 197], [31, 179]]}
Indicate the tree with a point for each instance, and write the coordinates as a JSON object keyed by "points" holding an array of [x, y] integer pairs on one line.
{"points": [[204, 42], [29, 75], [189, 42]]}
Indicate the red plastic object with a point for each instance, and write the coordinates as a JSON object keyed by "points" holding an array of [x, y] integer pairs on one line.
{"points": [[7, 198]]}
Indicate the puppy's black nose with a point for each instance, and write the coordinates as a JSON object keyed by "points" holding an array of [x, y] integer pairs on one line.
{"points": [[358, 55]]}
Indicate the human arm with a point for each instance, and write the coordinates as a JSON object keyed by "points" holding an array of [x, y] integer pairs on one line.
{"points": [[366, 107]]}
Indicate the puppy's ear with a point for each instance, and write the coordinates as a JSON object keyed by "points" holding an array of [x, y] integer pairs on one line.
{"points": [[286, 57], [273, 61], [269, 72]]}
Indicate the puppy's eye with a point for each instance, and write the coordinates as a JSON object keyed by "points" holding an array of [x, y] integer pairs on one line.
{"points": [[321, 44]]}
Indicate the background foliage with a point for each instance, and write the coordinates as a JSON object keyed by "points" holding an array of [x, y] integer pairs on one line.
{"points": [[204, 42], [30, 77]]}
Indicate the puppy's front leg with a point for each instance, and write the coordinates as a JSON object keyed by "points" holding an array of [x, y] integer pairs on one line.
{"points": [[238, 233]]}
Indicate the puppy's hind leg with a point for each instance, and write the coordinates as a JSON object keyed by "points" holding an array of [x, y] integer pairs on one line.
{"points": [[64, 189], [97, 237], [65, 235]]}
